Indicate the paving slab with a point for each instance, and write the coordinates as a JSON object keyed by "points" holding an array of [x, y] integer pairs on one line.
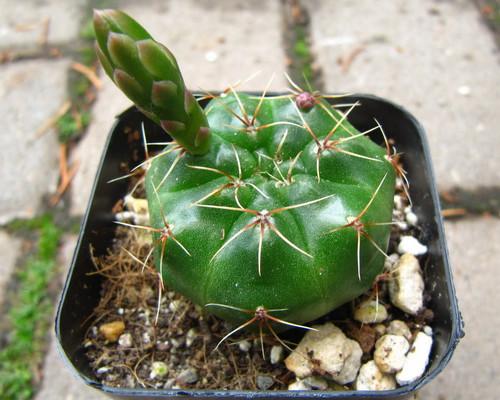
{"points": [[26, 26], [474, 370], [436, 58], [30, 92]]}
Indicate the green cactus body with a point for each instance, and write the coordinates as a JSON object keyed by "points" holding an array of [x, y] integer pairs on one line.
{"points": [[283, 209]]}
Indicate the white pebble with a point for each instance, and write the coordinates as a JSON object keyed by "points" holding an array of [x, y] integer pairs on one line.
{"points": [[398, 202], [139, 206], [191, 336], [277, 354], [391, 261], [372, 378], [188, 376], [176, 305], [397, 327], [245, 345], [402, 225], [411, 218], [406, 288], [299, 385], [125, 340], [146, 338], [416, 360], [390, 351], [428, 330], [331, 351], [410, 245], [351, 365], [104, 370], [370, 312], [380, 329]]}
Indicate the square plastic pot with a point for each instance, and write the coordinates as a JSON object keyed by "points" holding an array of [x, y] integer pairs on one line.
{"points": [[81, 292]]}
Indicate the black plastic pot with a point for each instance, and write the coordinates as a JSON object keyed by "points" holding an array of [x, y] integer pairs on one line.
{"points": [[81, 292]]}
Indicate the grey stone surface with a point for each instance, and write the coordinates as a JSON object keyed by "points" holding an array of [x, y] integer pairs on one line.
{"points": [[473, 372], [436, 58], [110, 102], [218, 43], [30, 92], [26, 25]]}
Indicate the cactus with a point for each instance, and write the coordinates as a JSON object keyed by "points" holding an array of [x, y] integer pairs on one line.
{"points": [[263, 208]]}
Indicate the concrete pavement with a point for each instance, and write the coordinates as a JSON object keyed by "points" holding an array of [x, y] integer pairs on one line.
{"points": [[436, 58]]}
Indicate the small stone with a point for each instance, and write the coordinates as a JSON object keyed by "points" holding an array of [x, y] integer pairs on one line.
{"points": [[427, 330], [410, 245], [299, 385], [403, 225], [264, 382], [351, 364], [316, 382], [380, 329], [326, 349], [158, 370], [406, 288], [411, 218], [146, 338], [112, 330], [391, 261], [188, 376], [398, 202], [162, 346], [191, 336], [370, 312], [103, 370], [416, 360], [397, 327], [139, 210], [277, 354], [390, 351], [370, 377], [176, 305], [245, 345], [125, 340], [169, 384]]}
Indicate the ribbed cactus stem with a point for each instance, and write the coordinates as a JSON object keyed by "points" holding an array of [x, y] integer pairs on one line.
{"points": [[148, 74]]}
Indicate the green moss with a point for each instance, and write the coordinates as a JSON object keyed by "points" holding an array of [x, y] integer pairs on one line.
{"points": [[31, 310]]}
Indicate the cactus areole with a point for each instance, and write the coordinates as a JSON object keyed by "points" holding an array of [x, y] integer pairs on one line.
{"points": [[275, 205]]}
